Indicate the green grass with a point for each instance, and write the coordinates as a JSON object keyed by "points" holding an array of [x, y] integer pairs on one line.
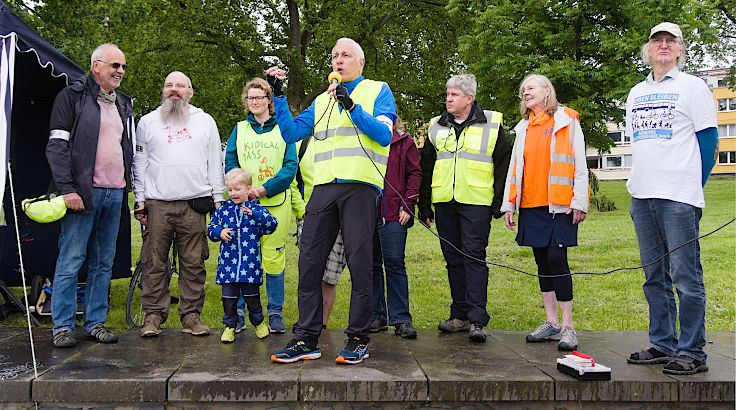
{"points": [[609, 302]]}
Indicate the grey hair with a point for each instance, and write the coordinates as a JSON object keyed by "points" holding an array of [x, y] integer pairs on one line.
{"points": [[358, 49], [550, 104], [647, 59], [464, 82], [97, 52]]}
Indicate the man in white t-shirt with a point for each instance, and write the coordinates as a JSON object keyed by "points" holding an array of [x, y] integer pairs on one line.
{"points": [[671, 120]]}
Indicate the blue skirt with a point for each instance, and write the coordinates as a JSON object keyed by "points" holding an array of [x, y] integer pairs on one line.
{"points": [[540, 229]]}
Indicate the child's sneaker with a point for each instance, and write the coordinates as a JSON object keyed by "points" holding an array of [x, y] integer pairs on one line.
{"points": [[355, 351], [241, 324], [228, 335], [262, 330], [297, 350]]}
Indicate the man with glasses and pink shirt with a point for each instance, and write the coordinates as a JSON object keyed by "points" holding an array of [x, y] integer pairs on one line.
{"points": [[90, 154]]}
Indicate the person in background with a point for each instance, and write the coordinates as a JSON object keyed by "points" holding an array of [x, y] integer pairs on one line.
{"points": [[400, 194], [547, 183]]}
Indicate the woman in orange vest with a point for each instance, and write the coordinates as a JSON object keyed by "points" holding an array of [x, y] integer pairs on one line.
{"points": [[547, 183]]}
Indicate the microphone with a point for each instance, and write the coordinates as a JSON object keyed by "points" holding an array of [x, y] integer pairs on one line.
{"points": [[334, 78]]}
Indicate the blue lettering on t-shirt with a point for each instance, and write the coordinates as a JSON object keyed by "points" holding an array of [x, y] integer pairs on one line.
{"points": [[652, 116]]}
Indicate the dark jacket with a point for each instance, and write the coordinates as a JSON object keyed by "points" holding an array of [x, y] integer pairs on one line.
{"points": [[75, 128], [501, 157], [403, 174]]}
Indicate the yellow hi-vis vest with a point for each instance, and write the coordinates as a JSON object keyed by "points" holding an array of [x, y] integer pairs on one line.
{"points": [[464, 166], [262, 155], [341, 150]]}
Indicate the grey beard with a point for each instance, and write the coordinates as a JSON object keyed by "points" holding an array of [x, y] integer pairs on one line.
{"points": [[174, 112]]}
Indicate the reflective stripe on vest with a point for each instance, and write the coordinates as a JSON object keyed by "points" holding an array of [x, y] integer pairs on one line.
{"points": [[262, 155], [464, 167], [340, 149], [562, 168]]}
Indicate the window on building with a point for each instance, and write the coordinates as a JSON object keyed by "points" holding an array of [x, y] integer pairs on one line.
{"points": [[727, 104], [594, 162], [727, 130], [727, 157], [619, 138], [617, 162], [722, 82]]}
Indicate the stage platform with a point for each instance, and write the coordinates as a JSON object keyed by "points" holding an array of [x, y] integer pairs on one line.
{"points": [[177, 370]]}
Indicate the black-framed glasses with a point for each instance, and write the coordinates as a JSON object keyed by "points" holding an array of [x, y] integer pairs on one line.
{"points": [[258, 98], [115, 65]]}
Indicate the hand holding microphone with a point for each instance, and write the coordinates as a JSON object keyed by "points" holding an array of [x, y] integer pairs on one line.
{"points": [[340, 91]]}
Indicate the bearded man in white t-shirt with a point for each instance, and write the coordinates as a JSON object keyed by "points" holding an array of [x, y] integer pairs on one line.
{"points": [[671, 120]]}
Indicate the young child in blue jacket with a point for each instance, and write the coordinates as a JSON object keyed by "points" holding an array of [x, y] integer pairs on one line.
{"points": [[240, 223]]}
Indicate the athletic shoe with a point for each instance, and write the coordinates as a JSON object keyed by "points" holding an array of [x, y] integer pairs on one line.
{"points": [[64, 338], [454, 326], [477, 334], [545, 331], [228, 335], [262, 330], [297, 350], [568, 339], [378, 325], [355, 351], [241, 324], [275, 324]]}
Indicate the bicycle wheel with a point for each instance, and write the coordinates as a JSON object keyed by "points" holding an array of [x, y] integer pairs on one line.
{"points": [[133, 309]]}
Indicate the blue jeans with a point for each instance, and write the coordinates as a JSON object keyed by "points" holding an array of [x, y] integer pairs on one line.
{"points": [[389, 242], [662, 225], [94, 237]]}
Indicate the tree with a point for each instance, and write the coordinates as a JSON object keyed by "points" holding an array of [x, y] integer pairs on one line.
{"points": [[221, 44], [589, 50]]}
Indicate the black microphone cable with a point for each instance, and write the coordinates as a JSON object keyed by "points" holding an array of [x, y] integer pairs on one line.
{"points": [[506, 266]]}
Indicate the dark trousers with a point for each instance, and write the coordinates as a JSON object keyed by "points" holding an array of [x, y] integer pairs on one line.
{"points": [[164, 219], [251, 293], [466, 227], [352, 208], [552, 261]]}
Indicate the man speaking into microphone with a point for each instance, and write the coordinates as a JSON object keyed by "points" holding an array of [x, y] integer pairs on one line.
{"points": [[351, 123]]}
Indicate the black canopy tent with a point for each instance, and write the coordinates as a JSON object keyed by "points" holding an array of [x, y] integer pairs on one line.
{"points": [[32, 72]]}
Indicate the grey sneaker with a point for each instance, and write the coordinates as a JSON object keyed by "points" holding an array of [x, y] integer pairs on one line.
{"points": [[545, 331], [454, 326], [568, 339]]}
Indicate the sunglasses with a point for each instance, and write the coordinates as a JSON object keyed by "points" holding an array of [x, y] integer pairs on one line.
{"points": [[115, 65]]}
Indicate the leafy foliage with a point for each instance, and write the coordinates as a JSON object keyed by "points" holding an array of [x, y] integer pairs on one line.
{"points": [[589, 50]]}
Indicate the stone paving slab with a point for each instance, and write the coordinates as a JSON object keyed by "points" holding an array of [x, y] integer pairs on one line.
{"points": [[436, 370], [132, 370], [717, 384], [628, 383], [238, 371], [16, 360], [459, 370], [389, 374]]}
